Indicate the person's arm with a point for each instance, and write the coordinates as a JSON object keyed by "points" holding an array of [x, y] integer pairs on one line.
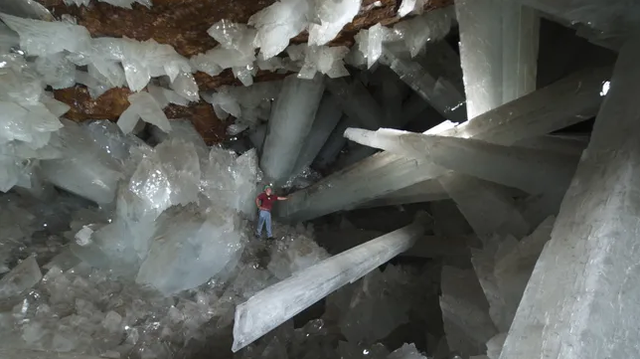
{"points": [[283, 198], [258, 202]]}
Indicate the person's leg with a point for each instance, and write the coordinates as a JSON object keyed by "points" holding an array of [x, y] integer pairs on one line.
{"points": [[260, 223], [267, 220]]}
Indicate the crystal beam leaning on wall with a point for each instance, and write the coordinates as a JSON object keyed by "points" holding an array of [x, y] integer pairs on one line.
{"points": [[566, 102]]}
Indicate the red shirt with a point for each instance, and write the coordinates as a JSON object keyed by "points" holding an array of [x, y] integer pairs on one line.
{"points": [[266, 202]]}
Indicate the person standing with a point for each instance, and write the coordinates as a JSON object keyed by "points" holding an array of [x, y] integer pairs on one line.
{"points": [[265, 201]]}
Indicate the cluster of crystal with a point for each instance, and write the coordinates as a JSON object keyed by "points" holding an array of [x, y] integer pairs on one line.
{"points": [[324, 59], [121, 3]]}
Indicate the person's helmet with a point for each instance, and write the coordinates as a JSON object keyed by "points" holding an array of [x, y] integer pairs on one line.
{"points": [[267, 187]]}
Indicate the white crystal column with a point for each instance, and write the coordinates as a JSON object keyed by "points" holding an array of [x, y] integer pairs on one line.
{"points": [[427, 191], [290, 122], [531, 170], [334, 144], [325, 122], [278, 303], [591, 261], [562, 104], [503, 69]]}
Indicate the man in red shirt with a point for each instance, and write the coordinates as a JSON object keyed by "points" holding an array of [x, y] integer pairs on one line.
{"points": [[265, 202]]}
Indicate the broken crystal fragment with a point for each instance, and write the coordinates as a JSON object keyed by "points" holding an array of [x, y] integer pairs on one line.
{"points": [[272, 306], [331, 17], [21, 278], [277, 24], [143, 106], [42, 38], [290, 123]]}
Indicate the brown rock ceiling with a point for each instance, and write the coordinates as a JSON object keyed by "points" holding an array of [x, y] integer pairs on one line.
{"points": [[184, 24]]}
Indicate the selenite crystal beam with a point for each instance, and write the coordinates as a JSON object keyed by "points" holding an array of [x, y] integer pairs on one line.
{"points": [[290, 123], [591, 261], [278, 303], [566, 102]]}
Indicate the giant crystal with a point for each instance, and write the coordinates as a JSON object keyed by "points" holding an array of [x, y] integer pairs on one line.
{"points": [[332, 16], [291, 120], [272, 306], [277, 24], [501, 70], [574, 99], [531, 170], [591, 259], [326, 120]]}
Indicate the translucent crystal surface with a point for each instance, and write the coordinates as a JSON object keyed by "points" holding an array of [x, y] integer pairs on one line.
{"points": [[332, 16], [290, 123], [324, 59], [143, 106], [589, 258], [272, 306], [20, 278], [575, 98], [277, 24]]}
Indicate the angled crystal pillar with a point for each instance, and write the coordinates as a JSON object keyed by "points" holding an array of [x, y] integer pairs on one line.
{"points": [[531, 170], [427, 191], [357, 102], [503, 69], [291, 119], [334, 144], [278, 303], [569, 101], [487, 207], [440, 93], [327, 117], [591, 260]]}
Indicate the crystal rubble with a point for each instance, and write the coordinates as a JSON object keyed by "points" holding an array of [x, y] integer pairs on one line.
{"points": [[575, 99], [538, 171], [591, 259], [372, 308], [356, 102], [295, 251], [487, 207], [20, 279], [290, 122], [465, 312], [274, 305], [496, 72], [327, 117], [143, 107]]}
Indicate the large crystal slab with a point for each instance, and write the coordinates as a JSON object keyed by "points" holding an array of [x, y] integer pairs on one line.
{"points": [[559, 105], [334, 144], [498, 71], [84, 168], [190, 249], [327, 117], [465, 312], [290, 123], [19, 279], [591, 259], [274, 305], [427, 191], [486, 206]]}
